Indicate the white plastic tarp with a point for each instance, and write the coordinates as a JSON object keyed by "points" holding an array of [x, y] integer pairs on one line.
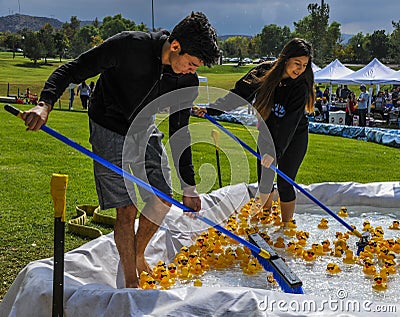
{"points": [[92, 277]]}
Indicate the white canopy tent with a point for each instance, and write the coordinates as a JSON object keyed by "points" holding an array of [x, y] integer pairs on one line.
{"points": [[315, 68], [330, 73], [374, 73]]}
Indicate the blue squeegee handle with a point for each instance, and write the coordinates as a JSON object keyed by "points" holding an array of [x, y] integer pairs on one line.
{"points": [[135, 180], [280, 173]]}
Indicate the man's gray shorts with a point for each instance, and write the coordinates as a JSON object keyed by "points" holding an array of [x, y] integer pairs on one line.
{"points": [[144, 156]]}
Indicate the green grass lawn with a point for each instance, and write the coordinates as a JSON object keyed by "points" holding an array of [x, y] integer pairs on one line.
{"points": [[28, 160]]}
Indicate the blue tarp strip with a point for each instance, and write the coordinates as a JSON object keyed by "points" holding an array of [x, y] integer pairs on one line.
{"points": [[382, 136]]}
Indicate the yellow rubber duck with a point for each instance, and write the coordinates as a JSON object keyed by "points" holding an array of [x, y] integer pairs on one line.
{"points": [[323, 224], [172, 270], [366, 226], [197, 283], [197, 268], [279, 243], [343, 212], [390, 266], [220, 263], [290, 232], [318, 250], [378, 233], [290, 247], [150, 283], [184, 273], [338, 252], [383, 253], [144, 276], [291, 224], [309, 255], [326, 246], [384, 273], [367, 253], [333, 268], [369, 267], [266, 238], [271, 280], [166, 281], [379, 284], [193, 257], [395, 225], [396, 246], [349, 257], [210, 257], [184, 251], [298, 250], [182, 261], [251, 268]]}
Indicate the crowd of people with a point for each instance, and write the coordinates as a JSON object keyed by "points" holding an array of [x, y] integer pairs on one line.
{"points": [[356, 105]]}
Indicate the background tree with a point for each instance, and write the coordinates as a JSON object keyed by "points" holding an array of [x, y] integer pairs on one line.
{"points": [[70, 29], [359, 45], [46, 37], [394, 42], [273, 38], [83, 39], [34, 49], [61, 43], [379, 44], [316, 29]]}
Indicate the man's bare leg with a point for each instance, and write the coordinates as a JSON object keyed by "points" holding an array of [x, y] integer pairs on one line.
{"points": [[124, 236], [150, 220]]}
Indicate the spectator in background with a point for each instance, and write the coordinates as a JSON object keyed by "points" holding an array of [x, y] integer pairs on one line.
{"points": [[326, 93], [339, 91], [325, 110], [396, 97], [84, 93], [318, 92], [350, 108], [363, 100], [344, 93], [380, 103], [71, 89], [91, 86]]}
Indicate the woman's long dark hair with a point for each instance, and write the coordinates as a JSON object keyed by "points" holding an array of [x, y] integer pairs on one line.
{"points": [[265, 94]]}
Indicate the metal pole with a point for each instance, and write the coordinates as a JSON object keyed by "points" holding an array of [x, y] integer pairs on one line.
{"points": [[58, 192], [152, 15], [215, 136]]}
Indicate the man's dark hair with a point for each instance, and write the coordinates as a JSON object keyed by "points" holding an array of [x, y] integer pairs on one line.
{"points": [[197, 37]]}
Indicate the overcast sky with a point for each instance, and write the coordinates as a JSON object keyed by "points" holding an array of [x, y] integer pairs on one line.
{"points": [[245, 17]]}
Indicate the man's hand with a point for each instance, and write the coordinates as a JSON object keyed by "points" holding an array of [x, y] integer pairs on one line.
{"points": [[199, 111], [37, 116], [191, 199]]}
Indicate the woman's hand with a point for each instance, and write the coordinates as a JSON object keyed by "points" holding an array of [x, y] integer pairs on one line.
{"points": [[267, 160]]}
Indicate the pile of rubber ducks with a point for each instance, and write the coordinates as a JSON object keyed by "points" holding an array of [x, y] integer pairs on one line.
{"points": [[212, 250]]}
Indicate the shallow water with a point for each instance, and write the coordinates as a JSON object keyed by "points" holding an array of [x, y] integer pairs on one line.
{"points": [[351, 283]]}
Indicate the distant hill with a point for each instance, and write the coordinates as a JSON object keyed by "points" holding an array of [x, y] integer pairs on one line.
{"points": [[224, 37], [17, 22]]}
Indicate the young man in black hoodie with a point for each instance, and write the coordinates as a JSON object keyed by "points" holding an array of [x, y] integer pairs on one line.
{"points": [[135, 68]]}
